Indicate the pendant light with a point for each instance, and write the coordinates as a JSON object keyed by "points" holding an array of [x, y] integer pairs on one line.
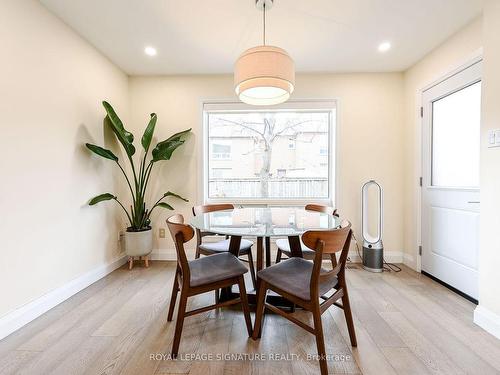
{"points": [[264, 75]]}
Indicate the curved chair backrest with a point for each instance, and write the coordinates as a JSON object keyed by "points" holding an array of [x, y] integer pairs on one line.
{"points": [[333, 240], [202, 209], [320, 208], [181, 233], [328, 242], [176, 225]]}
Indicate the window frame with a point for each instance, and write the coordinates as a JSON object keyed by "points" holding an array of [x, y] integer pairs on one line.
{"points": [[320, 105]]}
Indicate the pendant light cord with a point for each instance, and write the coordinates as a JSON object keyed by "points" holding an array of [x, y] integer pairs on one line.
{"points": [[264, 23]]}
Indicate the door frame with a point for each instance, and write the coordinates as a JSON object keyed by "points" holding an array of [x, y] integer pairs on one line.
{"points": [[472, 59]]}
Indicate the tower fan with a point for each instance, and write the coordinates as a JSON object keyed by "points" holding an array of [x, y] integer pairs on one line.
{"points": [[373, 248]]}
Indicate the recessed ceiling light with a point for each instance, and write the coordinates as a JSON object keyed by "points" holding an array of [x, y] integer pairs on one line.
{"points": [[384, 47], [150, 51]]}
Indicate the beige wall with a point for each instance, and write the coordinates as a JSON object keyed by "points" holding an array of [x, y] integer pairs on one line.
{"points": [[457, 50], [52, 83], [489, 254], [370, 136]]}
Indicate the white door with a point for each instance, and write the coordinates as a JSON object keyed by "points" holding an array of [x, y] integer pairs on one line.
{"points": [[450, 181]]}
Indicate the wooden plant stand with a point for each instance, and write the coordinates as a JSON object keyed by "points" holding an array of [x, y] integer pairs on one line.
{"points": [[131, 261]]}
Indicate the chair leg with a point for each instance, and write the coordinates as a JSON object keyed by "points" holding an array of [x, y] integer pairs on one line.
{"points": [[320, 340], [197, 253], [173, 298], [333, 260], [217, 295], [348, 317], [259, 310], [252, 269], [179, 323], [244, 305], [278, 256]]}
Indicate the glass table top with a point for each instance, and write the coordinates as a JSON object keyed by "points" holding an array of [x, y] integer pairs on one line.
{"points": [[264, 222]]}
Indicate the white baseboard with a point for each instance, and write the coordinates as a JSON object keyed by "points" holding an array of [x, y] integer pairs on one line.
{"points": [[23, 315], [165, 254], [487, 320], [409, 260]]}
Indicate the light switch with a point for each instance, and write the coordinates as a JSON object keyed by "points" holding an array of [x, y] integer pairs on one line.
{"points": [[493, 138]]}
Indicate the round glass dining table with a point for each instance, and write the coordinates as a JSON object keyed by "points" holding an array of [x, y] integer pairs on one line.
{"points": [[264, 223]]}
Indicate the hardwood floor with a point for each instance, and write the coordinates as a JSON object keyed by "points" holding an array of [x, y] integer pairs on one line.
{"points": [[405, 324]]}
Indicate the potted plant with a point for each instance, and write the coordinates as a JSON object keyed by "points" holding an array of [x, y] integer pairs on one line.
{"points": [[138, 236]]}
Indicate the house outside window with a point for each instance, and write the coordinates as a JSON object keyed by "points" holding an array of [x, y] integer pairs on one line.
{"points": [[270, 156], [221, 150]]}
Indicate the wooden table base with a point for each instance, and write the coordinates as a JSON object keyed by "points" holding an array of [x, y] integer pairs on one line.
{"points": [[272, 298]]}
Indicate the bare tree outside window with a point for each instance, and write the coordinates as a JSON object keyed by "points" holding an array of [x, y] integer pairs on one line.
{"points": [[275, 154]]}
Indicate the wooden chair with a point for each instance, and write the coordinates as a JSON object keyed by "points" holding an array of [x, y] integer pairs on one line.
{"points": [[306, 284], [283, 244], [200, 276], [210, 248]]}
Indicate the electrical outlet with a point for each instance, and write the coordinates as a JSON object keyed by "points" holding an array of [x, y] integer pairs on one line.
{"points": [[121, 241], [162, 232]]}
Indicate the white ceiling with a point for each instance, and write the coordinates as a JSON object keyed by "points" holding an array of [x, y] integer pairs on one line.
{"points": [[206, 36]]}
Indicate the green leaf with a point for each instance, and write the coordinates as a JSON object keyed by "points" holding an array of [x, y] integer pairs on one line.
{"points": [[148, 133], [178, 136], [170, 194], [102, 152], [165, 205], [126, 138], [164, 149], [101, 198], [116, 120]]}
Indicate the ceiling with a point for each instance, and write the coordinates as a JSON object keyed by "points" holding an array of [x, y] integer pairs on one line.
{"points": [[201, 36]]}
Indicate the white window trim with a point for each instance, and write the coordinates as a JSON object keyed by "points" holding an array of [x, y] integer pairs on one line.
{"points": [[318, 104]]}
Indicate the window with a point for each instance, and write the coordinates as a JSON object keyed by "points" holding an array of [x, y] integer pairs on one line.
{"points": [[456, 120], [264, 155]]}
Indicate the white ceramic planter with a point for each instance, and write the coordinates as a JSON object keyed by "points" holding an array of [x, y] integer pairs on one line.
{"points": [[138, 244]]}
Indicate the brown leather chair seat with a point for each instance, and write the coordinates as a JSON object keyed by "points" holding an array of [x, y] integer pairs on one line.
{"points": [[294, 276], [223, 246], [214, 268]]}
